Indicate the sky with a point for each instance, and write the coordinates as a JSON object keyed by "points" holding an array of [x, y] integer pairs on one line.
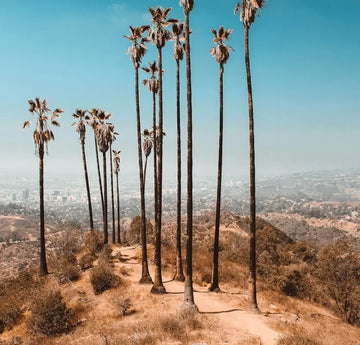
{"points": [[304, 63]]}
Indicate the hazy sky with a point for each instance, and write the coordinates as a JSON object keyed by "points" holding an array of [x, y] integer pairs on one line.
{"points": [[306, 83]]}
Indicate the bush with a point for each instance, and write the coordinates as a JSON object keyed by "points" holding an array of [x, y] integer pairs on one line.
{"points": [[94, 241], [297, 339], [70, 271], [103, 278], [10, 313], [50, 316], [87, 261]]}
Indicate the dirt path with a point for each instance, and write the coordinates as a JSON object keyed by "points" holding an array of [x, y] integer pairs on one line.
{"points": [[224, 307]]}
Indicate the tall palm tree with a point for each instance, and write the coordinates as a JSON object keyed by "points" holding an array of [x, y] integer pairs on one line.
{"points": [[248, 11], [221, 52], [153, 85], [81, 117], [189, 303], [137, 52], [159, 36], [103, 138], [179, 38], [112, 138], [93, 123], [116, 160], [42, 135]]}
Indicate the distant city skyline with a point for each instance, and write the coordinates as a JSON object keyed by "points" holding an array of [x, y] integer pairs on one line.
{"points": [[306, 81]]}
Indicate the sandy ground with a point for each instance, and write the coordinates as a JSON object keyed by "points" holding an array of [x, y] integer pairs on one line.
{"points": [[233, 320]]}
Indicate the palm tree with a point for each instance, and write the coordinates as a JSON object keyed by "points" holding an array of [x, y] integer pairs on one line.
{"points": [[221, 52], [42, 135], [248, 11], [93, 122], [179, 38], [153, 85], [189, 303], [116, 160], [81, 117], [112, 138], [147, 147], [159, 36], [137, 52], [103, 138]]}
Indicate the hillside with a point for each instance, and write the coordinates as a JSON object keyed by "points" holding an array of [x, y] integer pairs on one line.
{"points": [[127, 313]]}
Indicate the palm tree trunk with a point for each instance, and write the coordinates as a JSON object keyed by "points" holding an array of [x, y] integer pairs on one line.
{"points": [[145, 275], [87, 183], [252, 261], [43, 265], [179, 274], [188, 290], [145, 167], [156, 214], [118, 208], [105, 219], [158, 287], [215, 273], [99, 174], [112, 198]]}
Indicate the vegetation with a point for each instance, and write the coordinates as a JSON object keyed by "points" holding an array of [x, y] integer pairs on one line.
{"points": [[82, 117], [42, 135], [179, 48], [248, 11], [50, 316], [221, 52], [137, 52]]}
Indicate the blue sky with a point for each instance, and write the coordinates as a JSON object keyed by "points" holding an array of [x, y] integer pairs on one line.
{"points": [[306, 83]]}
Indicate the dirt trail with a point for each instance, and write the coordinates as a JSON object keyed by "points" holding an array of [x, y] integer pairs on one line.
{"points": [[231, 318]]}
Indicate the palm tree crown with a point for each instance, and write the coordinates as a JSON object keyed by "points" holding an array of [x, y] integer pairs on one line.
{"points": [[104, 131], [248, 10], [42, 133], [82, 118], [116, 160], [159, 35], [188, 5], [178, 38], [152, 82], [221, 51], [148, 142], [138, 47]]}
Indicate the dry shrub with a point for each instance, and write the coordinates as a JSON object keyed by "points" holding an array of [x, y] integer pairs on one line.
{"points": [[87, 261], [70, 271], [13, 341], [94, 241], [133, 234], [105, 254], [50, 316], [297, 339], [102, 278], [123, 305], [10, 313], [173, 326], [125, 271]]}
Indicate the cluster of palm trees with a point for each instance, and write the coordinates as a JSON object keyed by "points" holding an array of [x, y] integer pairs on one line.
{"points": [[152, 140], [104, 135], [157, 32]]}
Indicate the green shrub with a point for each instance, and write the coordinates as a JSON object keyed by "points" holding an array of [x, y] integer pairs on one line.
{"points": [[50, 316]]}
